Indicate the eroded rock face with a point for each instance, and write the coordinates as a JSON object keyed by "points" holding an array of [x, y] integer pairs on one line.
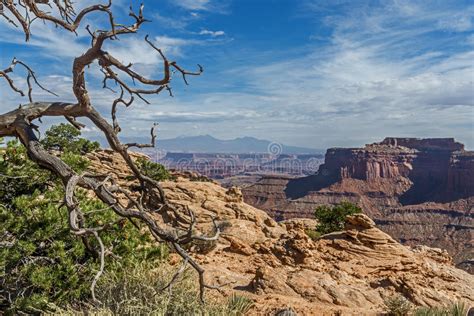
{"points": [[421, 191], [352, 271], [282, 269]]}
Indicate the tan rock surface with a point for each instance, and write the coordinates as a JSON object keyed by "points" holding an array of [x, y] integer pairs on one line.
{"points": [[279, 266]]}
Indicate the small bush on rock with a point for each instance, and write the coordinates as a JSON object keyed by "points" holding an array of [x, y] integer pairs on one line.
{"points": [[333, 218], [313, 234], [152, 169], [398, 306]]}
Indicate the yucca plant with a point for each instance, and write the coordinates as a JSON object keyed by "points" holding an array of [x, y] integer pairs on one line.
{"points": [[455, 309], [398, 306], [239, 305]]}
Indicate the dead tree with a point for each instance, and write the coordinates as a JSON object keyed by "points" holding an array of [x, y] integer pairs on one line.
{"points": [[20, 123]]}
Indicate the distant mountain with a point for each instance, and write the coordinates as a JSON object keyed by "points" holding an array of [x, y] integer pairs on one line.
{"points": [[209, 144]]}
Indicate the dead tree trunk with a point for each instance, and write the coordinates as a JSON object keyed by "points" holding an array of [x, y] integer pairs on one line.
{"points": [[20, 123]]}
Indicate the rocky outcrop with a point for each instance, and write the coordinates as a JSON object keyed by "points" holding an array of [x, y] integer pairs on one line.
{"points": [[281, 269], [424, 143], [421, 191]]}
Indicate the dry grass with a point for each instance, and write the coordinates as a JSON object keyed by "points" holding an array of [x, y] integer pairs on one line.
{"points": [[136, 292]]}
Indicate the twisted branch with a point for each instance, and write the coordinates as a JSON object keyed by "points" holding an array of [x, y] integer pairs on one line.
{"points": [[69, 20], [19, 123], [31, 75]]}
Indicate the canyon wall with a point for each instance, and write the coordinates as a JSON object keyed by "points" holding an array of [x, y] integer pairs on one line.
{"points": [[421, 191]]}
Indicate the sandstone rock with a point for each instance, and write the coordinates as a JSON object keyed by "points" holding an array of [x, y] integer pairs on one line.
{"points": [[234, 194], [300, 223], [359, 221], [348, 272], [237, 246], [267, 280], [286, 312]]}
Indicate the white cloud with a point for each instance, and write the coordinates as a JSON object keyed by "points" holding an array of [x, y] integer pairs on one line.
{"points": [[458, 22], [215, 6], [193, 4], [384, 73], [173, 45], [212, 33], [170, 22], [57, 42], [195, 116]]}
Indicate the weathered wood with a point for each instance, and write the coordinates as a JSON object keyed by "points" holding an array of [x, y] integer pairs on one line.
{"points": [[19, 123]]}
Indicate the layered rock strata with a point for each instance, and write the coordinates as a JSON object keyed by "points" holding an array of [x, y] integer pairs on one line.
{"points": [[421, 191]]}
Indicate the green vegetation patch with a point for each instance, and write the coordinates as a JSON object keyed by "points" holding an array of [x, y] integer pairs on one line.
{"points": [[152, 169], [42, 264], [333, 218]]}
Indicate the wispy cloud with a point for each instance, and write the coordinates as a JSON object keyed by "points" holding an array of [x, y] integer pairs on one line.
{"points": [[55, 42], [196, 116], [393, 69], [370, 69], [193, 4], [212, 33], [173, 45], [164, 21]]}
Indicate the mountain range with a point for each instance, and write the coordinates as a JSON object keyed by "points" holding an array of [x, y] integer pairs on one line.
{"points": [[210, 144]]}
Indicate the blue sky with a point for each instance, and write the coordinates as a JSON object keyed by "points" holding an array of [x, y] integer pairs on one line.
{"points": [[308, 73]]}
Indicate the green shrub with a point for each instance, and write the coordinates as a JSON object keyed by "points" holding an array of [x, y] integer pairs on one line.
{"points": [[18, 174], [65, 138], [77, 162], [455, 309], [313, 234], [46, 269], [45, 263], [41, 262], [239, 305], [398, 306], [152, 169], [333, 218]]}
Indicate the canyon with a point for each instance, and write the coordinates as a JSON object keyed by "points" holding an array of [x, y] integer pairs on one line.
{"points": [[283, 271], [248, 167], [419, 191]]}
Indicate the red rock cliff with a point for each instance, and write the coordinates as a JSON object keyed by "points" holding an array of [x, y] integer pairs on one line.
{"points": [[418, 190]]}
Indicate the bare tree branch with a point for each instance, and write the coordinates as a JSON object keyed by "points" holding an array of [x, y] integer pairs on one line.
{"points": [[102, 266], [31, 75], [19, 123]]}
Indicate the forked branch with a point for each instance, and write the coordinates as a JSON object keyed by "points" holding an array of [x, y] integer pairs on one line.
{"points": [[127, 205], [68, 20], [6, 73]]}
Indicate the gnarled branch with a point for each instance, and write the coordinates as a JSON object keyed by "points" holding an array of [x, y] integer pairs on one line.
{"points": [[19, 123]]}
